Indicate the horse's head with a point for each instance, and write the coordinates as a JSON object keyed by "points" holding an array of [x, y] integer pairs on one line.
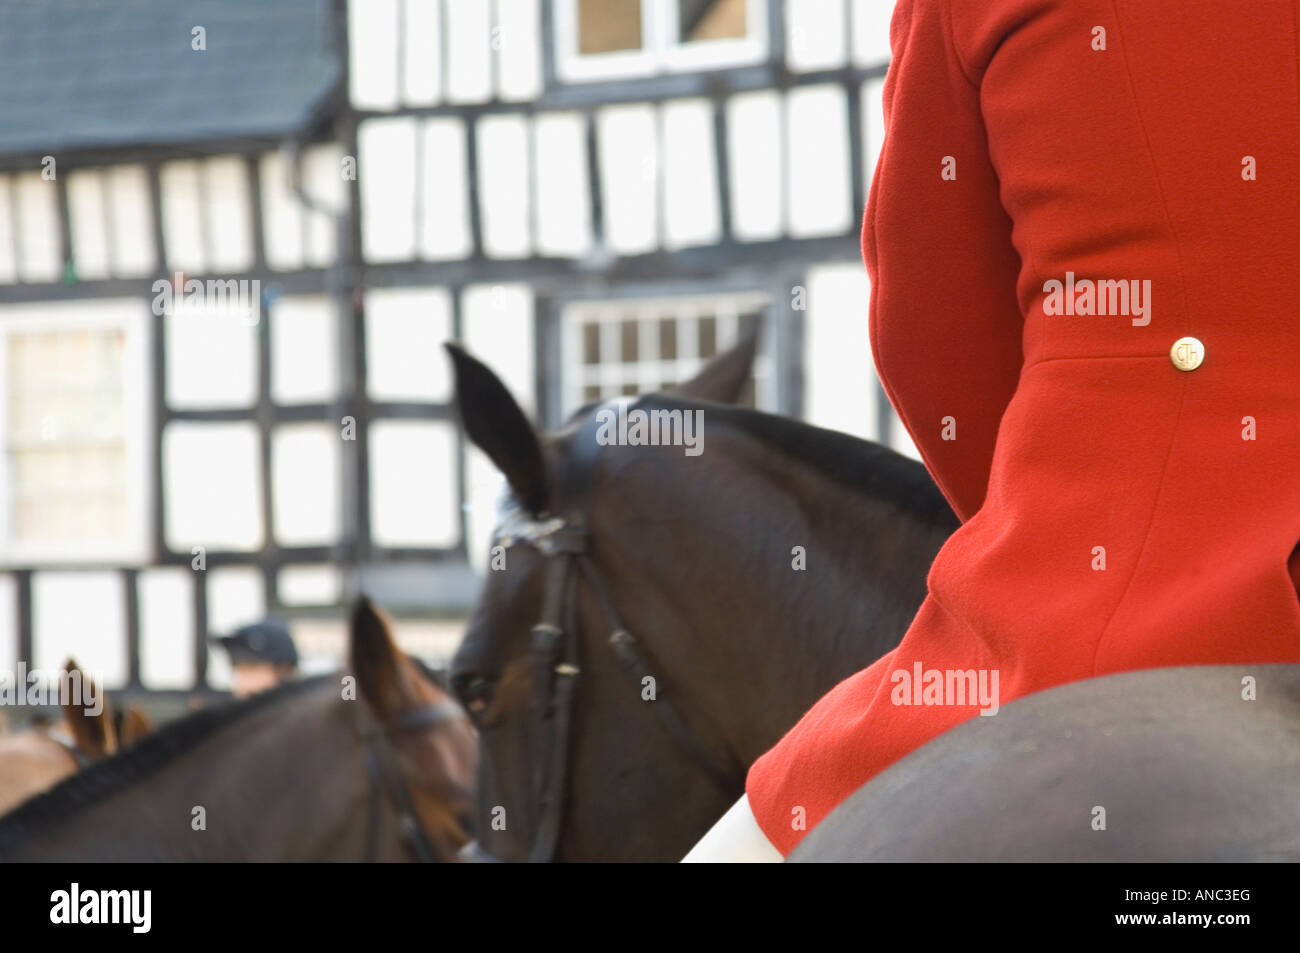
{"points": [[579, 726], [33, 761], [421, 753]]}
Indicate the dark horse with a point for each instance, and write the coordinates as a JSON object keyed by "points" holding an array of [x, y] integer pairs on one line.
{"points": [[1172, 764], [376, 765], [699, 605]]}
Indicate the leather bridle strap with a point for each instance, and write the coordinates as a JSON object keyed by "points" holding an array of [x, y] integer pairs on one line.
{"points": [[555, 670], [386, 779], [723, 772]]}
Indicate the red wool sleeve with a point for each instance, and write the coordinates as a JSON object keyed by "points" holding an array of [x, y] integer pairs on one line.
{"points": [[945, 322]]}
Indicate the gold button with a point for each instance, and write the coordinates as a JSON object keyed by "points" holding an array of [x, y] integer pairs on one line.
{"points": [[1187, 354]]}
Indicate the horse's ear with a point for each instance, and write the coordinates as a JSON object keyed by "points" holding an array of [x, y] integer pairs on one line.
{"points": [[134, 725], [376, 660], [93, 734], [498, 427], [722, 380]]}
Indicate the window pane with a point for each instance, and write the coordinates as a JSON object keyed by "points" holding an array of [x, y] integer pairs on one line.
{"points": [[229, 207], [182, 217], [708, 335], [322, 175], [627, 340], [372, 53], [131, 242], [591, 343], [504, 194], [469, 50], [212, 352], [667, 339], [690, 200], [628, 146], [281, 214], [38, 249], [519, 49], [818, 199], [166, 628], [305, 481], [563, 204], [66, 442], [309, 585], [89, 221], [304, 350], [498, 320], [386, 167], [405, 329], [413, 487], [8, 251], [816, 33], [83, 615], [608, 25], [444, 212], [754, 139], [212, 476]]}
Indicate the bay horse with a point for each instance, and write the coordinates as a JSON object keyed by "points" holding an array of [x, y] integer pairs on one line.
{"points": [[698, 606], [1191, 764], [35, 759], [377, 764]]}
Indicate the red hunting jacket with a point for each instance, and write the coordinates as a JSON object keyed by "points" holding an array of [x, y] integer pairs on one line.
{"points": [[1084, 244]]}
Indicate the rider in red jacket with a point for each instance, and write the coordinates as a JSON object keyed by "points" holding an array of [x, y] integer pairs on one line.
{"points": [[1083, 239]]}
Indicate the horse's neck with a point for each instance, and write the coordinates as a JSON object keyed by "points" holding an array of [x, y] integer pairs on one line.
{"points": [[828, 582], [239, 794]]}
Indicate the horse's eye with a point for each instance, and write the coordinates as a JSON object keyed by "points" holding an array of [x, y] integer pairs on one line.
{"points": [[474, 691]]}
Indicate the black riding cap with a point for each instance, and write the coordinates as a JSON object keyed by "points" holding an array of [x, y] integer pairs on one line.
{"points": [[265, 641]]}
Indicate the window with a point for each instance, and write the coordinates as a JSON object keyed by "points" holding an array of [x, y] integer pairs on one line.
{"points": [[206, 218], [634, 346], [111, 218], [600, 39], [73, 481]]}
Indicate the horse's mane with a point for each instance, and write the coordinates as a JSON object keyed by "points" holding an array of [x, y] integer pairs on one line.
{"points": [[113, 775], [869, 468]]}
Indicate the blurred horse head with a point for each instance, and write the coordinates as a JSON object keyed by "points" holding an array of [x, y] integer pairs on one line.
{"points": [[34, 760], [376, 763]]}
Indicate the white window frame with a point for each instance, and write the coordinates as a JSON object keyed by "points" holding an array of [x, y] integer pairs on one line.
{"points": [[662, 50], [646, 373], [132, 316]]}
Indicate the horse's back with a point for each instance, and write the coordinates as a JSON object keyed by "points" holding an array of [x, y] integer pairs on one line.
{"points": [[1178, 764], [29, 764]]}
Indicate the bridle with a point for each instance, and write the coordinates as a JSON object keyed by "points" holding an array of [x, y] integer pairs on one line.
{"points": [[564, 544], [386, 779]]}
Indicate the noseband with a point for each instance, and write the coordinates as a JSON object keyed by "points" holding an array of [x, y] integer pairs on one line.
{"points": [[387, 781], [564, 544]]}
